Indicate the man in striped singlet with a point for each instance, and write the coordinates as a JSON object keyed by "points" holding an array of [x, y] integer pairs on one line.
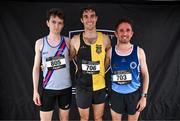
{"points": [[90, 49], [128, 61], [52, 50]]}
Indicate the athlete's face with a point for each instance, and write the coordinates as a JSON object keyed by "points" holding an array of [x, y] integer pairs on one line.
{"points": [[124, 33], [55, 24], [89, 19]]}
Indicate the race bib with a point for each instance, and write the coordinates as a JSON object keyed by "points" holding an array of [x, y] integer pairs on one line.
{"points": [[90, 67], [122, 77], [56, 62]]}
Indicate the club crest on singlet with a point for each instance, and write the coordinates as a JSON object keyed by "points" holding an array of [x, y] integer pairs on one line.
{"points": [[98, 49]]}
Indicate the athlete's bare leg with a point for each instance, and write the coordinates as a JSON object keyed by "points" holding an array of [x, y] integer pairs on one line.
{"points": [[84, 114], [64, 115], [98, 111], [115, 116], [134, 117], [46, 115]]}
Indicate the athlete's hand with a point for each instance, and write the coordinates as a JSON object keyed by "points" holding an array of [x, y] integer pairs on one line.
{"points": [[42, 67], [141, 104], [36, 99]]}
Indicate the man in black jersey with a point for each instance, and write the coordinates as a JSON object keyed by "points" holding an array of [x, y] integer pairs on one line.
{"points": [[89, 48]]}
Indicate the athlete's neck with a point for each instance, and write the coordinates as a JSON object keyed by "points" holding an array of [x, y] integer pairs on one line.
{"points": [[90, 37], [90, 33], [54, 37], [125, 48]]}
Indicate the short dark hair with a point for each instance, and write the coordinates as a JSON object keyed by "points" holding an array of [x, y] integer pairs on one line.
{"points": [[55, 12], [124, 20], [87, 9]]}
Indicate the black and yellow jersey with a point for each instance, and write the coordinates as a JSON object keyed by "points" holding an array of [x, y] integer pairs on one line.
{"points": [[90, 61]]}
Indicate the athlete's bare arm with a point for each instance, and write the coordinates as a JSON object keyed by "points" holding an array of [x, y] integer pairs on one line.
{"points": [[67, 40], [74, 46], [108, 58], [144, 70], [107, 45], [145, 82], [36, 71]]}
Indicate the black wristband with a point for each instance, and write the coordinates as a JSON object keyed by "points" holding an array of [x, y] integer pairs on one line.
{"points": [[144, 94]]}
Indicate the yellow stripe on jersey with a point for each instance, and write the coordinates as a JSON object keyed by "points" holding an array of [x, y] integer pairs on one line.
{"points": [[98, 54]]}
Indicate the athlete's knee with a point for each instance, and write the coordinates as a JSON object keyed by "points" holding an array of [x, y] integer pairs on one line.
{"points": [[98, 117], [64, 118], [116, 118], [63, 115], [84, 117]]}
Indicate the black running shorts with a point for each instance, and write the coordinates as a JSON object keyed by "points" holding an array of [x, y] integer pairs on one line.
{"points": [[85, 98], [124, 103], [49, 98]]}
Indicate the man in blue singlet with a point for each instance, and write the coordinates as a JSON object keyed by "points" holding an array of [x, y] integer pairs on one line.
{"points": [[52, 51], [128, 61]]}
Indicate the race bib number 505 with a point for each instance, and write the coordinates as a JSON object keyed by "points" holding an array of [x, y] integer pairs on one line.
{"points": [[56, 62]]}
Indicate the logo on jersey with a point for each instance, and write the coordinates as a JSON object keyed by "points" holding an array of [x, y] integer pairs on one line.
{"points": [[133, 65], [123, 60], [98, 49], [45, 53], [83, 47]]}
